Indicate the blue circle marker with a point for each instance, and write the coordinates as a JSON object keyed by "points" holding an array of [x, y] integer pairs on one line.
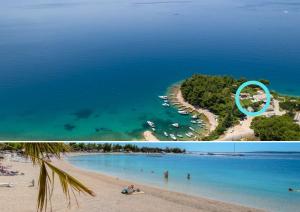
{"points": [[238, 103]]}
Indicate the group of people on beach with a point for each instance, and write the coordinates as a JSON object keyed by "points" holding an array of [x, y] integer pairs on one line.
{"points": [[4, 171]]}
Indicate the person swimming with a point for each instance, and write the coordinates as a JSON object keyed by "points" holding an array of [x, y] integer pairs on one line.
{"points": [[293, 190]]}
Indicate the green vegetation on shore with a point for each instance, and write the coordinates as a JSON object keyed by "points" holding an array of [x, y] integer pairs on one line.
{"points": [[291, 104], [276, 128], [215, 94], [100, 147], [107, 147]]}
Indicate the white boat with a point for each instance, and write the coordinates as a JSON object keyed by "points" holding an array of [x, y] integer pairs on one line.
{"points": [[173, 137], [151, 124], [166, 134], [153, 129], [195, 116], [165, 105], [191, 128], [163, 97], [179, 136], [194, 122], [182, 112], [175, 125], [166, 101], [189, 134]]}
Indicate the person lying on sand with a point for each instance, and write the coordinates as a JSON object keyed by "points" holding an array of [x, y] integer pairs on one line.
{"points": [[131, 190], [8, 185]]}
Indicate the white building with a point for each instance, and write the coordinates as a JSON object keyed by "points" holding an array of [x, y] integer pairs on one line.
{"points": [[297, 118]]}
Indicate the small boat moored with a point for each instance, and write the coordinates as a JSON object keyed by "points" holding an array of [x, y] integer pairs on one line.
{"points": [[192, 129], [173, 137], [183, 112], [189, 134], [163, 97], [151, 124], [175, 125]]}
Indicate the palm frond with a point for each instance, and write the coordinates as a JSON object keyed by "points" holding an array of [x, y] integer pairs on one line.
{"points": [[36, 151], [43, 187], [39, 153], [67, 181]]}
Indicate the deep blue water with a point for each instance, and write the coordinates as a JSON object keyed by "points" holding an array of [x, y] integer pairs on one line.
{"points": [[107, 60], [257, 180]]}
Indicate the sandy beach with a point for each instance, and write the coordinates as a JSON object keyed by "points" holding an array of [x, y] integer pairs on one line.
{"points": [[239, 131], [148, 136], [243, 130], [108, 197]]}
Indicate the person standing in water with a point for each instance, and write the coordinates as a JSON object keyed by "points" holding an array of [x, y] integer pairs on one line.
{"points": [[188, 176], [166, 174]]}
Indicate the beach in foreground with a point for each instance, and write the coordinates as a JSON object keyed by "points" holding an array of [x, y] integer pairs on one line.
{"points": [[108, 194]]}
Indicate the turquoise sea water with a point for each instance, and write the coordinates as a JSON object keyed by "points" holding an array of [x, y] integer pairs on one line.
{"points": [[92, 69], [257, 180]]}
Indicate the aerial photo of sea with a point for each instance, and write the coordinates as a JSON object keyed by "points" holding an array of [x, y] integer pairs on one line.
{"points": [[93, 69]]}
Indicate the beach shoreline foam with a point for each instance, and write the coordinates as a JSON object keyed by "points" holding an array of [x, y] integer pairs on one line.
{"points": [[108, 194]]}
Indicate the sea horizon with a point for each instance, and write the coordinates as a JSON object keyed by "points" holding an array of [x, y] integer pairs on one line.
{"points": [[225, 178]]}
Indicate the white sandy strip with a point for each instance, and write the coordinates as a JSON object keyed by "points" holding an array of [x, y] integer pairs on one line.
{"points": [[243, 129], [277, 110], [239, 131], [148, 135], [210, 116], [22, 198]]}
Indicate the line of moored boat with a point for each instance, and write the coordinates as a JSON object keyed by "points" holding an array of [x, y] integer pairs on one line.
{"points": [[190, 134], [165, 101]]}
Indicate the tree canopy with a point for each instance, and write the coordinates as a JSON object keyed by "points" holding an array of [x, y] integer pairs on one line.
{"points": [[108, 147], [276, 128], [214, 93]]}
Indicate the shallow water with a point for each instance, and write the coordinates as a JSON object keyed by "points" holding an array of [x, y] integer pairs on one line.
{"points": [[257, 180], [113, 57]]}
